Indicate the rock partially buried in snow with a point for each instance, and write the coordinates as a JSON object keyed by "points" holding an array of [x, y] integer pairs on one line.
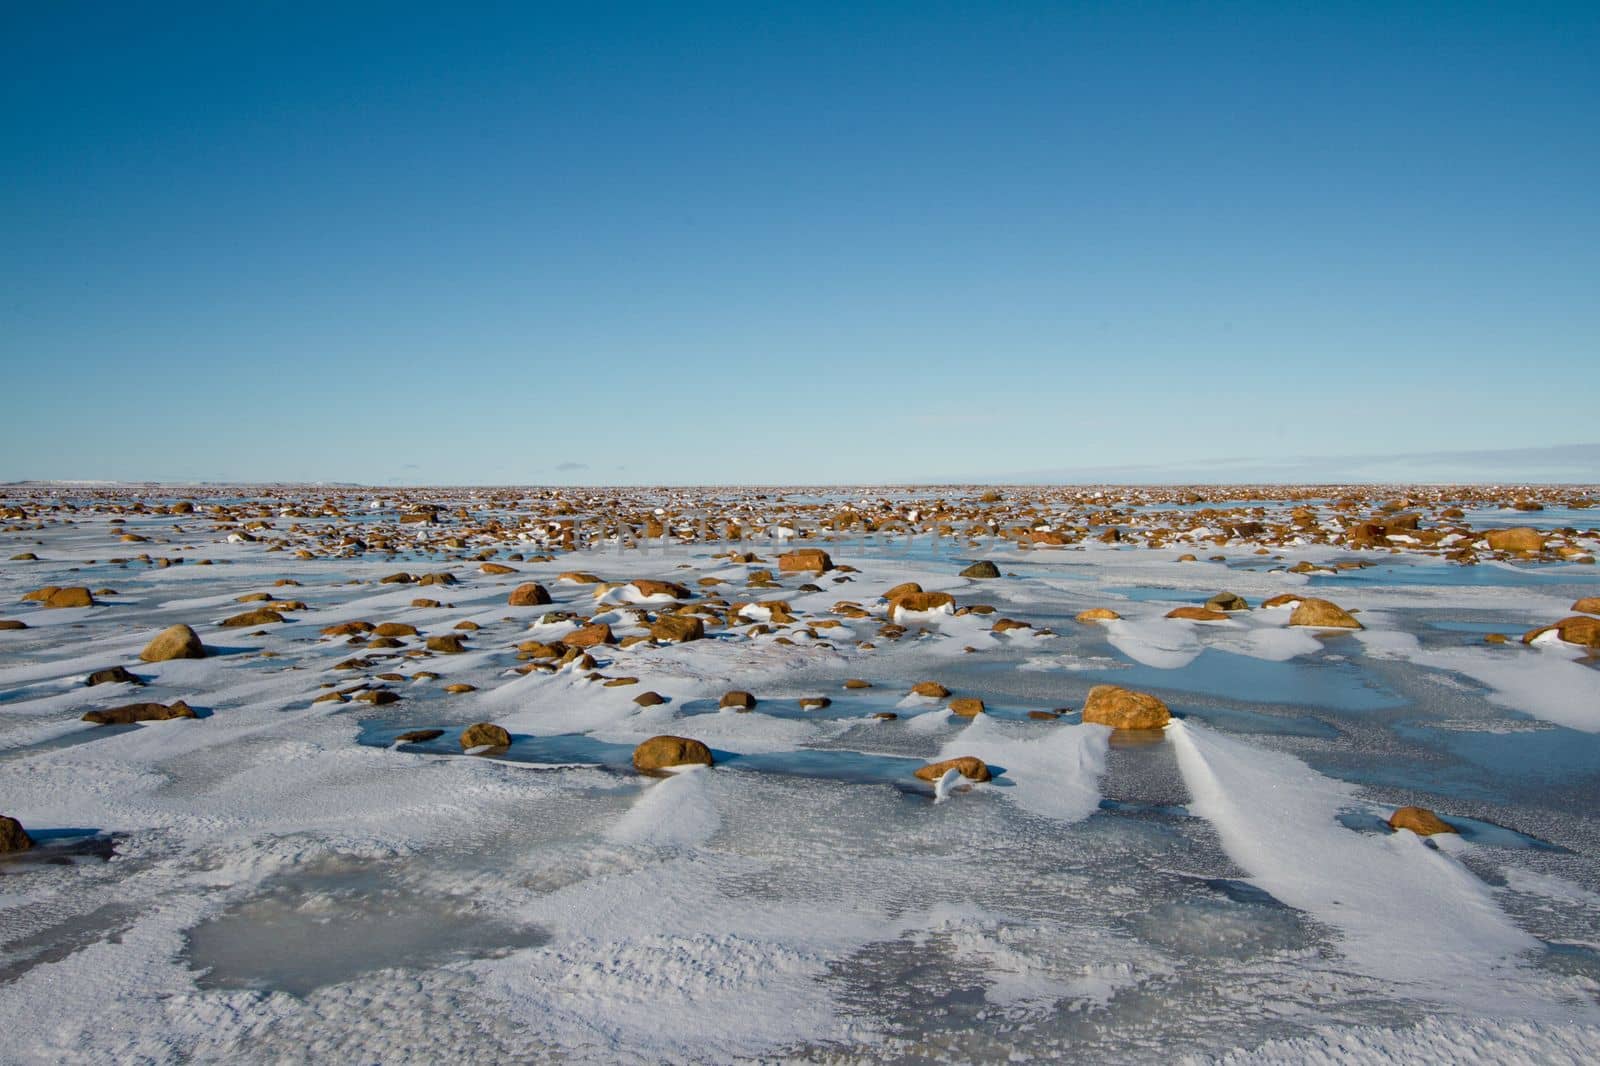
{"points": [[447, 644], [981, 569], [12, 836], [590, 635], [529, 594], [738, 700], [970, 766], [1322, 614], [1588, 605], [140, 712], [665, 752], [809, 559], [649, 699], [484, 735], [1420, 821], [1227, 601], [76, 596], [921, 603], [966, 707], [1122, 708], [174, 642], [931, 689], [419, 736], [12, 623]]}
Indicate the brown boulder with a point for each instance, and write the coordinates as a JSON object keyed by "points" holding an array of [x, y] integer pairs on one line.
{"points": [[664, 752], [738, 700], [931, 689], [392, 629], [1588, 605], [966, 706], [983, 569], [1122, 708], [812, 559], [174, 642], [12, 836], [972, 768], [484, 734], [448, 644], [12, 623], [1322, 614], [140, 712], [1227, 601], [1420, 821], [530, 594], [419, 736], [649, 699], [496, 568]]}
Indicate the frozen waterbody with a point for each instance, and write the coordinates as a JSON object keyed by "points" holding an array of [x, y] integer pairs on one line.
{"points": [[282, 879]]}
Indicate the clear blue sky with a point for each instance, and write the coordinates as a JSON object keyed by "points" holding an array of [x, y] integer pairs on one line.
{"points": [[689, 243]]}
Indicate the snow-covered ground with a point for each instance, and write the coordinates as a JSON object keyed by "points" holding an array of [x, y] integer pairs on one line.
{"points": [[278, 880]]}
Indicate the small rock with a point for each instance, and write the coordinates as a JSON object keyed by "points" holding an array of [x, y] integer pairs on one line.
{"points": [[1197, 614], [814, 703], [677, 628], [966, 706], [931, 689], [856, 682], [1588, 605], [419, 736], [981, 569], [588, 636], [460, 688], [12, 623], [649, 699], [738, 700]]}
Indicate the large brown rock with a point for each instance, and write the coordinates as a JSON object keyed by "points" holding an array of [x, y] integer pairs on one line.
{"points": [[1323, 614], [529, 594], [1420, 821], [1579, 629], [664, 752], [484, 735], [738, 700], [12, 836], [966, 706], [972, 768], [174, 642], [812, 559], [140, 712], [1515, 539], [1122, 708], [677, 628]]}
